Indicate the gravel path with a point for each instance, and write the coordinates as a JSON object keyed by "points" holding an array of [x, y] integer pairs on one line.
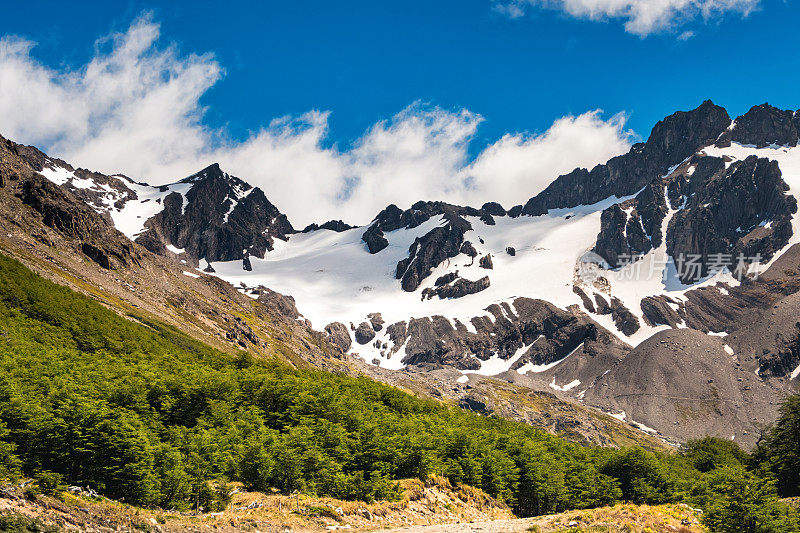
{"points": [[495, 526]]}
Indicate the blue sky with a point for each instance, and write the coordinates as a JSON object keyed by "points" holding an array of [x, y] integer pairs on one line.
{"points": [[519, 66], [365, 60]]}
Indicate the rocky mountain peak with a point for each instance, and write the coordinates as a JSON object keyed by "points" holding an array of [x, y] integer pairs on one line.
{"points": [[671, 140], [764, 125], [218, 217], [679, 135]]}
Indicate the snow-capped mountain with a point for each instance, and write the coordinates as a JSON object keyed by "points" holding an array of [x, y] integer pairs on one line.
{"points": [[688, 236]]}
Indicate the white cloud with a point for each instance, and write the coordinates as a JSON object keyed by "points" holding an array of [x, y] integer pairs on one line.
{"points": [[642, 17], [134, 108]]}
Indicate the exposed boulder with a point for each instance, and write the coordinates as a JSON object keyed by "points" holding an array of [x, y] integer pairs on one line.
{"points": [[486, 262], [279, 303], [376, 320], [364, 333], [338, 335], [477, 403]]}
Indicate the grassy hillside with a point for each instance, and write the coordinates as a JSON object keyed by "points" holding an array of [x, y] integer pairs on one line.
{"points": [[142, 412]]}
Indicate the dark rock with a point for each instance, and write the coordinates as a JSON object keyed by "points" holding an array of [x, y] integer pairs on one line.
{"points": [[447, 278], [602, 305], [632, 228], [428, 251], [493, 208], [468, 249], [218, 221], [671, 141], [511, 251], [376, 320], [625, 321], [476, 403], [338, 335], [763, 125], [487, 219], [281, 304], [397, 333], [71, 217], [387, 220], [486, 262], [364, 333], [726, 214], [332, 225], [587, 302], [657, 311], [460, 288]]}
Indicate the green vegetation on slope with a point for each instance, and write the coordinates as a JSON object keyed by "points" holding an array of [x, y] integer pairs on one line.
{"points": [[141, 412]]}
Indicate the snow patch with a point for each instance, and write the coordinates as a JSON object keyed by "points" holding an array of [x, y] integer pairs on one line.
{"points": [[571, 385], [728, 350], [57, 175]]}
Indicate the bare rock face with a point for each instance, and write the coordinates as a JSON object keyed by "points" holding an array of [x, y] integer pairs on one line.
{"points": [[222, 217], [364, 333], [633, 227], [437, 245], [477, 403], [744, 209], [546, 332], [339, 335], [762, 126], [671, 141], [63, 212], [332, 225], [387, 220], [625, 321], [278, 303], [428, 251], [486, 262], [657, 311], [376, 321], [456, 289]]}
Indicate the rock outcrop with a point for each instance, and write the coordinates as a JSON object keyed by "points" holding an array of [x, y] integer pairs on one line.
{"points": [[671, 141], [220, 218]]}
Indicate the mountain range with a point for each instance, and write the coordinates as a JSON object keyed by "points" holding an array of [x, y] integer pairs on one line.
{"points": [[659, 289]]}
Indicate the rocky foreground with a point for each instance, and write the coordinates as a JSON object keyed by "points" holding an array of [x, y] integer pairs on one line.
{"points": [[425, 508]]}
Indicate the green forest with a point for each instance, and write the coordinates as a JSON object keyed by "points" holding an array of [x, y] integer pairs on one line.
{"points": [[145, 414]]}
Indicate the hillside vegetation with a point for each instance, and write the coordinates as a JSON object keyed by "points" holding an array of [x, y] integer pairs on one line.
{"points": [[141, 412]]}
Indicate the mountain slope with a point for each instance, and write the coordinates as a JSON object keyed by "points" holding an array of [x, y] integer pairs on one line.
{"points": [[555, 291], [78, 247]]}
